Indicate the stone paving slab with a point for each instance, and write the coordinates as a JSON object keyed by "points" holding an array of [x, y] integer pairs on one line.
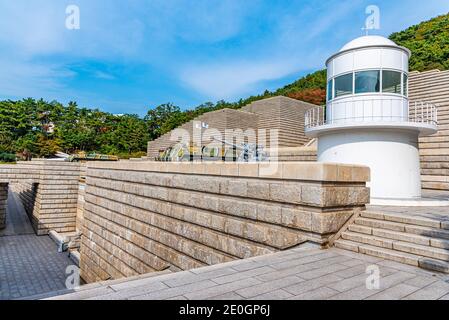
{"points": [[307, 273], [29, 265]]}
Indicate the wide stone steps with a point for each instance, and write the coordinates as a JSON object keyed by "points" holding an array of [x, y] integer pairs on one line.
{"points": [[435, 145], [423, 80], [402, 257], [409, 239], [427, 74], [434, 139]]}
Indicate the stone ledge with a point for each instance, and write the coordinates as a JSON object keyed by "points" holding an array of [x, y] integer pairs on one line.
{"points": [[305, 171]]}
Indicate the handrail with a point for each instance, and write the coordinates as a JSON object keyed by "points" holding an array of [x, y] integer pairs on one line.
{"points": [[419, 112]]}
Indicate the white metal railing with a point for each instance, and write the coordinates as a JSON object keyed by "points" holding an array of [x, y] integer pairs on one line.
{"points": [[423, 112], [377, 110]]}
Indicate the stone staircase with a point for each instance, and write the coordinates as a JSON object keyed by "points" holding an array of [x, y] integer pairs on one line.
{"points": [[405, 238]]}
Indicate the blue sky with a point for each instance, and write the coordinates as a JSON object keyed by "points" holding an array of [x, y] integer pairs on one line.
{"points": [[131, 55]]}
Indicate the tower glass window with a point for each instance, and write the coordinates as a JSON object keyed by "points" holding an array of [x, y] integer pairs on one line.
{"points": [[405, 84], [330, 89], [391, 81], [343, 85], [367, 81]]}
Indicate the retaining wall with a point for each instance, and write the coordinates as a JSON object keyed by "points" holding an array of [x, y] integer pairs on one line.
{"points": [[48, 190], [147, 216]]}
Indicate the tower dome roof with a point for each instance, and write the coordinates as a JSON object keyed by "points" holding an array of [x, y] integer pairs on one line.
{"points": [[367, 41]]}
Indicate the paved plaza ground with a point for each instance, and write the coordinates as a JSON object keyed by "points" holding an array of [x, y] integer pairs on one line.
{"points": [[31, 267], [298, 274], [29, 264]]}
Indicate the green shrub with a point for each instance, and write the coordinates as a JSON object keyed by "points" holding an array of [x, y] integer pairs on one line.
{"points": [[7, 157]]}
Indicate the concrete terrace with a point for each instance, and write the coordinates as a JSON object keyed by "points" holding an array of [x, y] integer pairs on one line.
{"points": [[306, 273]]}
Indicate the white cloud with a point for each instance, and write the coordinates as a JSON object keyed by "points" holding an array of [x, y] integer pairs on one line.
{"points": [[31, 79], [229, 80], [293, 50], [32, 27], [103, 75]]}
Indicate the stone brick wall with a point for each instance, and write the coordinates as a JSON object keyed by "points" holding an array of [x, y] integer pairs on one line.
{"points": [[298, 154], [56, 200], [80, 207], [48, 190], [3, 200], [147, 216]]}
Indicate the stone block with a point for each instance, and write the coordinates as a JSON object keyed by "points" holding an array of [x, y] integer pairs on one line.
{"points": [[272, 170], [229, 169], [329, 222], [234, 187], [285, 192], [267, 213], [248, 170], [445, 225], [302, 171], [312, 195], [212, 169], [297, 219], [258, 189]]}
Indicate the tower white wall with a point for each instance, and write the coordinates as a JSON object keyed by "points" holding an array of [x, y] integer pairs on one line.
{"points": [[392, 156]]}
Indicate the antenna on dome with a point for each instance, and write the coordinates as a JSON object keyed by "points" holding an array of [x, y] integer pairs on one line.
{"points": [[366, 30]]}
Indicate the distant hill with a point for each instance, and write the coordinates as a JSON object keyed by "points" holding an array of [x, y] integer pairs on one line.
{"points": [[429, 43]]}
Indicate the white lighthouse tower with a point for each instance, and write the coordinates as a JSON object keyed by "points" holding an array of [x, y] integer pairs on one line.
{"points": [[368, 119]]}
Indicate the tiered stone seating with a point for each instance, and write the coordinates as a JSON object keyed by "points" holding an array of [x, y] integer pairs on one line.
{"points": [[433, 87], [279, 113], [219, 120], [284, 114]]}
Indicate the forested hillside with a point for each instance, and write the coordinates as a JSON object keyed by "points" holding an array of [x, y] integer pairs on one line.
{"points": [[429, 43], [40, 128]]}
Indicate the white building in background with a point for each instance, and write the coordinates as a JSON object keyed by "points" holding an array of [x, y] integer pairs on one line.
{"points": [[368, 119]]}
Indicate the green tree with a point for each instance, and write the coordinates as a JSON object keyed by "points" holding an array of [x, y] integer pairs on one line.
{"points": [[47, 146], [131, 134], [429, 43], [157, 117]]}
